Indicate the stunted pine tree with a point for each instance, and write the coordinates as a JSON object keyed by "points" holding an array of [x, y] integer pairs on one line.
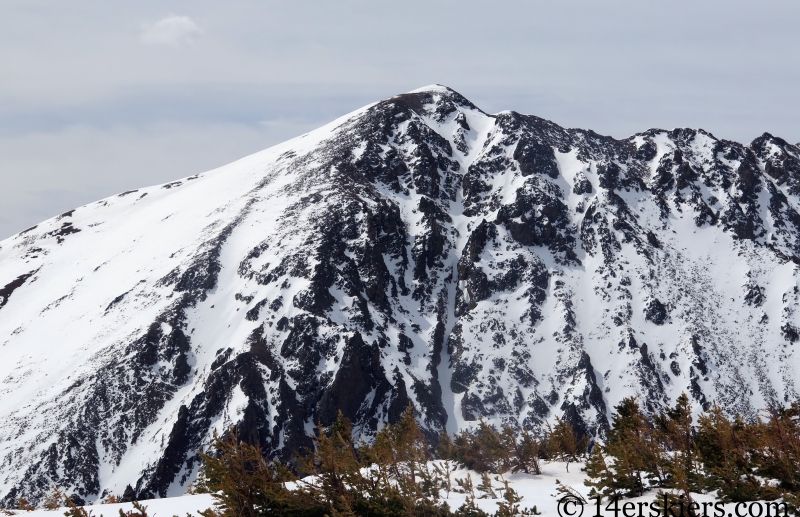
{"points": [[600, 478], [527, 454], [634, 444], [245, 484], [563, 444], [778, 457], [726, 449], [399, 457], [675, 426], [336, 470], [484, 449]]}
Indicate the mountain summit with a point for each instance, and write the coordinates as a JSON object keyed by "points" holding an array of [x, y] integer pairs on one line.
{"points": [[417, 251]]}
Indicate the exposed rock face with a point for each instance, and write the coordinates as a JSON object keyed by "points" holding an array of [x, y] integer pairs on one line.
{"points": [[418, 250]]}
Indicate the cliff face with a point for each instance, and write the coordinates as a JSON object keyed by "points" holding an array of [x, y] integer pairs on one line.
{"points": [[417, 250]]}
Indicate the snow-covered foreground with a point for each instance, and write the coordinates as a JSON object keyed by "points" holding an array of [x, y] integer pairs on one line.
{"points": [[539, 491], [166, 507]]}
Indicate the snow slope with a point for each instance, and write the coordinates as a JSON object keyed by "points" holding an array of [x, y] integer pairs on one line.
{"points": [[415, 251]]}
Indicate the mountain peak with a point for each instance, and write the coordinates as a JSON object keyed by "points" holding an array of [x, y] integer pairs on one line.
{"points": [[414, 251], [434, 88]]}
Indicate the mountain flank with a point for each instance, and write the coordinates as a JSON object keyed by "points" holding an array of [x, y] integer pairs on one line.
{"points": [[416, 251]]}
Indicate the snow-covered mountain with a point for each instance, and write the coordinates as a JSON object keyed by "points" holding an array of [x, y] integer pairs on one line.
{"points": [[417, 250]]}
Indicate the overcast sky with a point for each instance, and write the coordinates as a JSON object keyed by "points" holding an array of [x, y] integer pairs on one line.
{"points": [[98, 97]]}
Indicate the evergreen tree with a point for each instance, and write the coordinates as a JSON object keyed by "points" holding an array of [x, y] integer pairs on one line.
{"points": [[444, 448], [336, 468], [731, 456], [726, 449], [779, 455], [244, 483], [563, 444], [676, 429], [636, 443], [469, 508], [634, 454], [486, 488], [599, 476], [527, 454], [484, 449], [509, 506]]}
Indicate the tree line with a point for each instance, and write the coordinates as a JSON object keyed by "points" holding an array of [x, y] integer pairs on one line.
{"points": [[393, 475], [668, 452], [739, 459]]}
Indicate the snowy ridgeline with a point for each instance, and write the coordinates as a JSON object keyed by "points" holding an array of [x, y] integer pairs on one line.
{"points": [[539, 491]]}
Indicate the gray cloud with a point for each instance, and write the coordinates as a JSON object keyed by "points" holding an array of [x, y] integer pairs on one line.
{"points": [[87, 109]]}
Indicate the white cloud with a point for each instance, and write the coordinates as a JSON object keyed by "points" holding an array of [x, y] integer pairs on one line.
{"points": [[172, 30]]}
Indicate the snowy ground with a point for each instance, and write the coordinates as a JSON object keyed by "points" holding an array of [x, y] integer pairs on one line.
{"points": [[539, 491], [155, 507]]}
